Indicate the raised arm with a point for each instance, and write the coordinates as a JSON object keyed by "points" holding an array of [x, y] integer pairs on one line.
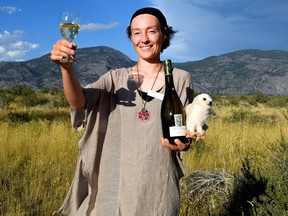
{"points": [[72, 89]]}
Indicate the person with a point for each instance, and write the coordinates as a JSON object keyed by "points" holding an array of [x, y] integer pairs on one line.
{"points": [[124, 166]]}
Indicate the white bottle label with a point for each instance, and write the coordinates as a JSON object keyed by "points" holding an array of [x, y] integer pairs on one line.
{"points": [[177, 131], [179, 128]]}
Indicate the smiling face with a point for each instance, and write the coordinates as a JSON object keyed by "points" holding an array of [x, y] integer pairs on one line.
{"points": [[147, 37]]}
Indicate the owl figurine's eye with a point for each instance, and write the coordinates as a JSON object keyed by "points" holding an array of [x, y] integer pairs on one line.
{"points": [[204, 99]]}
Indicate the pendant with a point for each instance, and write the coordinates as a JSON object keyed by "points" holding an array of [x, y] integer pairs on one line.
{"points": [[144, 114]]}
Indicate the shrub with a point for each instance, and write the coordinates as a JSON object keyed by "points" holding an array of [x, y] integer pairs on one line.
{"points": [[275, 200], [261, 98], [20, 90], [18, 117], [33, 100], [247, 190], [277, 102], [22, 116], [246, 115], [20, 96], [252, 100]]}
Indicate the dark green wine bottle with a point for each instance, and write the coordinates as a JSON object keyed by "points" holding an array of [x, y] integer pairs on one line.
{"points": [[173, 115]]}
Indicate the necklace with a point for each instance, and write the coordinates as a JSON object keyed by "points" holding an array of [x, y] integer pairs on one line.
{"points": [[144, 114]]}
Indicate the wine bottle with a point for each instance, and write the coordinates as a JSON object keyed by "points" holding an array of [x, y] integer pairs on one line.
{"points": [[172, 111]]}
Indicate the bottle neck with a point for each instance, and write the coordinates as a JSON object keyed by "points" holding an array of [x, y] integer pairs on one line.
{"points": [[168, 74], [169, 81]]}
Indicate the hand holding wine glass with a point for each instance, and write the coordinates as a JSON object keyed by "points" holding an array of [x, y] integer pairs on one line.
{"points": [[69, 28]]}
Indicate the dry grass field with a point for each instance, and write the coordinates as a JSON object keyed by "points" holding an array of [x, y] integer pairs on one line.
{"points": [[241, 164], [239, 169]]}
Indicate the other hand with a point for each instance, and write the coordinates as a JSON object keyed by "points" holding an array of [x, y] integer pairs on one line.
{"points": [[178, 147]]}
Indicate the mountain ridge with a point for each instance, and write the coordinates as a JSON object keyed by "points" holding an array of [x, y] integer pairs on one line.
{"points": [[247, 71]]}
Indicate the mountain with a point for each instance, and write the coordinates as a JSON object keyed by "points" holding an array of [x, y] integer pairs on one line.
{"points": [[42, 73], [240, 72]]}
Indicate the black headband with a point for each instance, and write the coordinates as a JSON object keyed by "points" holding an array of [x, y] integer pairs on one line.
{"points": [[152, 11]]}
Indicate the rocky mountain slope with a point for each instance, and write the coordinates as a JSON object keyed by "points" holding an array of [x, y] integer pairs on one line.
{"points": [[240, 72]]}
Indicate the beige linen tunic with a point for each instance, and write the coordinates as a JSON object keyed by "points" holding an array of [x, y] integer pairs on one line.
{"points": [[122, 169]]}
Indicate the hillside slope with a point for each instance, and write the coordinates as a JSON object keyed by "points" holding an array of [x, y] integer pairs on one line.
{"points": [[240, 72]]}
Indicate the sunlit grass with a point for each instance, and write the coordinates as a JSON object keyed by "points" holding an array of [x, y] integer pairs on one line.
{"points": [[227, 143], [38, 152], [37, 165]]}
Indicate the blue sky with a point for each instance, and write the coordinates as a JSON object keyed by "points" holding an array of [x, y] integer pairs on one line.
{"points": [[29, 28]]}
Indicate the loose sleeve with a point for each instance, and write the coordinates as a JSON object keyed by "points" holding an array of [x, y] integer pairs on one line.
{"points": [[92, 94], [184, 86]]}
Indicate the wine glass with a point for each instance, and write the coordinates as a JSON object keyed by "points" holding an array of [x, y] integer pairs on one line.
{"points": [[69, 27]]}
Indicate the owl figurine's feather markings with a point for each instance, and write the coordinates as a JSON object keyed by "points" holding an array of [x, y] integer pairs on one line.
{"points": [[197, 112]]}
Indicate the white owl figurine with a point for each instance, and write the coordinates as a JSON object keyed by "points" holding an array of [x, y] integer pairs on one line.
{"points": [[197, 112]]}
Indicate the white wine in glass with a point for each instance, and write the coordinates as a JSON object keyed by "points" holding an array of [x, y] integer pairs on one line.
{"points": [[69, 27]]}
